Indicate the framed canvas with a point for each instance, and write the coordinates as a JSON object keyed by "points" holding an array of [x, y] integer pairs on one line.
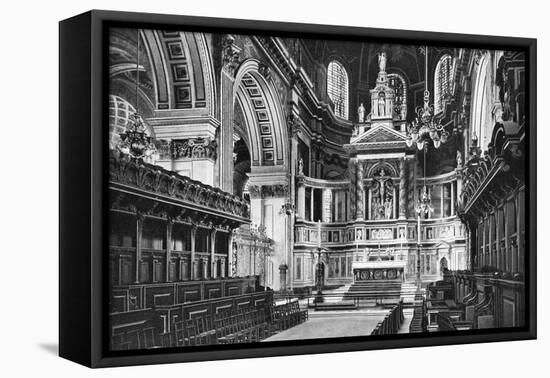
{"points": [[233, 188]]}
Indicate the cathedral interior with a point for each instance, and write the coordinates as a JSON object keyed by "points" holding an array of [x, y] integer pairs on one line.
{"points": [[258, 183]]}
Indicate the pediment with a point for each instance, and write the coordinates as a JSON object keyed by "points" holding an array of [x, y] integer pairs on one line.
{"points": [[379, 134]]}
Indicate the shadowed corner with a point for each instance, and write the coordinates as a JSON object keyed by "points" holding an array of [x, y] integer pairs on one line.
{"points": [[52, 348]]}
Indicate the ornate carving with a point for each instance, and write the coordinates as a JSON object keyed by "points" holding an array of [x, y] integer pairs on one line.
{"points": [[402, 189], [265, 71], [193, 148], [268, 191], [157, 180], [293, 125], [230, 55], [505, 89]]}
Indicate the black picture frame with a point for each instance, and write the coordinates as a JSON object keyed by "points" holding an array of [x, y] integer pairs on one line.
{"points": [[82, 197]]}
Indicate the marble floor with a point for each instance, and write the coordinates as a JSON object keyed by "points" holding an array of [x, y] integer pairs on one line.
{"points": [[327, 324], [333, 324]]}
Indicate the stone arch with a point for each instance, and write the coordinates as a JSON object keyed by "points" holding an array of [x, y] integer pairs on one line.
{"points": [[389, 168], [263, 115], [182, 71]]}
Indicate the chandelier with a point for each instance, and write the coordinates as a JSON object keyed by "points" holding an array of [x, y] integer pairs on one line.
{"points": [[426, 126], [135, 142]]}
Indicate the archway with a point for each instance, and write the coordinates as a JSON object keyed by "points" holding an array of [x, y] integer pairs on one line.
{"points": [[443, 265], [263, 121]]}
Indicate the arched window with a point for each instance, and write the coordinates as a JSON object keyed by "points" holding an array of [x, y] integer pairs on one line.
{"points": [[338, 88], [443, 82], [399, 85], [482, 123]]}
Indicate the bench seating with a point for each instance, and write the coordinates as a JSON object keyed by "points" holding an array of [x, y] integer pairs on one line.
{"points": [[242, 319]]}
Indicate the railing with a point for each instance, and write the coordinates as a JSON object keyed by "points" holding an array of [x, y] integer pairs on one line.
{"points": [[376, 232], [156, 180], [392, 321]]}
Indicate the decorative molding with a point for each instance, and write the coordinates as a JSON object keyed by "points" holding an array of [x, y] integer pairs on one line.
{"points": [[192, 149], [268, 191], [184, 198]]}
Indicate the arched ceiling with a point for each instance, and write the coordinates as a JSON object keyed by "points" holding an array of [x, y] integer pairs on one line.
{"points": [[175, 68]]}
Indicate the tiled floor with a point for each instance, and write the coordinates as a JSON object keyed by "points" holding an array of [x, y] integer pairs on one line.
{"points": [[343, 324]]}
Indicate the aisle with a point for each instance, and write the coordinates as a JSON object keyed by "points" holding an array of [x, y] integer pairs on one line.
{"points": [[342, 324]]}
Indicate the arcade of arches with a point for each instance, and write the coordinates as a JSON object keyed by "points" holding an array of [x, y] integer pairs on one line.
{"points": [[284, 165]]}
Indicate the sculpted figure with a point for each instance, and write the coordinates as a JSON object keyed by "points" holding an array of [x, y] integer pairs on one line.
{"points": [[361, 113], [381, 104], [382, 61]]}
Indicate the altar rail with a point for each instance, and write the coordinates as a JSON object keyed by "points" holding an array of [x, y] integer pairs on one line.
{"points": [[142, 296]]}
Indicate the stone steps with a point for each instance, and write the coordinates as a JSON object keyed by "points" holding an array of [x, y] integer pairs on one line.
{"points": [[336, 306]]}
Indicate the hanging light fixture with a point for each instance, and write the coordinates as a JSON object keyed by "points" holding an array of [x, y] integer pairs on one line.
{"points": [[423, 208], [426, 127], [424, 205], [135, 142]]}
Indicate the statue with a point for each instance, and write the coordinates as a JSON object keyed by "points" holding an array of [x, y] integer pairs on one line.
{"points": [[387, 208], [301, 166], [382, 199], [381, 104], [382, 61], [361, 113]]}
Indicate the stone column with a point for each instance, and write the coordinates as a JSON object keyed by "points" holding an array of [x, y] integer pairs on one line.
{"points": [[326, 210], [452, 198], [222, 268], [520, 227], [212, 253], [394, 210], [360, 190], [352, 187], [498, 236], [230, 260], [230, 62], [402, 190], [301, 200], [441, 200], [193, 234], [169, 227], [311, 204], [204, 269], [140, 218]]}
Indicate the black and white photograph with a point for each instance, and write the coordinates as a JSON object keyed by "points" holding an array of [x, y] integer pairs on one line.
{"points": [[266, 188]]}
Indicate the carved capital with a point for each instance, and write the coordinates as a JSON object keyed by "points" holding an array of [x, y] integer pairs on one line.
{"points": [[230, 55], [293, 125]]}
